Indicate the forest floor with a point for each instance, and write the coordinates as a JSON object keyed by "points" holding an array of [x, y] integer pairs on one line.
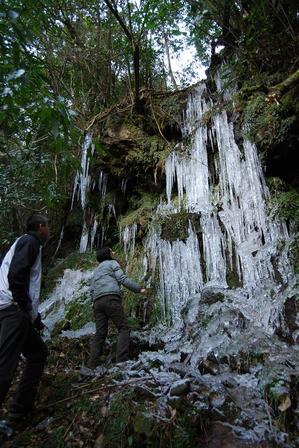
{"points": [[153, 402]]}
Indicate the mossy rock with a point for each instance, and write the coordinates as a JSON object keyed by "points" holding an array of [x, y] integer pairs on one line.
{"points": [[268, 123], [175, 227]]}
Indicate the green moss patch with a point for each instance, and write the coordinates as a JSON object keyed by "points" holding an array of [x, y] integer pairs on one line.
{"points": [[141, 208], [79, 312], [269, 122]]}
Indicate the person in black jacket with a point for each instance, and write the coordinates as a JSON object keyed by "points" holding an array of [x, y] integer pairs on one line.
{"points": [[20, 322]]}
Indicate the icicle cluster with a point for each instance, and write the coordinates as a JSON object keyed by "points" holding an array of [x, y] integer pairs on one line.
{"points": [[223, 183], [82, 179], [102, 184], [128, 235], [82, 185], [179, 271]]}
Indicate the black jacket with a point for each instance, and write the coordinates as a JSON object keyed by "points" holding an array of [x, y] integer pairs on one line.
{"points": [[16, 271]]}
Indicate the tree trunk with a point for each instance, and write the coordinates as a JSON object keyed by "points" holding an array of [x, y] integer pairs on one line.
{"points": [[169, 62], [136, 62], [286, 85], [109, 68]]}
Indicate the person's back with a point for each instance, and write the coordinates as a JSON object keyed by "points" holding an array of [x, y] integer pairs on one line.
{"points": [[106, 293], [107, 278]]}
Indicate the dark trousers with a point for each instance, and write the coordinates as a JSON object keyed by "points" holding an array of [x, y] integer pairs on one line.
{"points": [[105, 308], [18, 336]]}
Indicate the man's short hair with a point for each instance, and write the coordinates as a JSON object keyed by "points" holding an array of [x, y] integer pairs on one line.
{"points": [[104, 254], [34, 221]]}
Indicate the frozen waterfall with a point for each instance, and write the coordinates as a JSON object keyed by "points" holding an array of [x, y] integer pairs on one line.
{"points": [[222, 183]]}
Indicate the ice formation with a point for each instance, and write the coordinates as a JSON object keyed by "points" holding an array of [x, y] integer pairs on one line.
{"points": [[222, 183]]}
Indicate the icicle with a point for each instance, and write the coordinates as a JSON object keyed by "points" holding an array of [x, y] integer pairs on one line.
{"points": [[191, 174], [75, 188], [59, 242], [84, 239], [213, 242], [124, 186], [111, 211], [93, 233], [84, 174], [128, 236], [179, 270], [82, 184], [102, 184]]}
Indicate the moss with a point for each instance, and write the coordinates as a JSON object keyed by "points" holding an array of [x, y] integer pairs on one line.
{"points": [[144, 424], [172, 105], [23, 439], [149, 152], [143, 206], [117, 429], [78, 312], [175, 227], [129, 423], [156, 315], [269, 122], [84, 405], [294, 255], [285, 205], [56, 438], [189, 428]]}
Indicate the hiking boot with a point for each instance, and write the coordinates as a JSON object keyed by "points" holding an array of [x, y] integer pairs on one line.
{"points": [[97, 372]]}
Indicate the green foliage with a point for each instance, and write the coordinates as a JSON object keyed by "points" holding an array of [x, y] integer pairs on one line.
{"points": [[116, 432], [141, 206], [79, 312], [85, 406], [37, 124], [205, 31], [294, 255], [268, 123], [285, 201], [56, 439]]}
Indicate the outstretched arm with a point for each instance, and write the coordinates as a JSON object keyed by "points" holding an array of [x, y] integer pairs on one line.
{"points": [[123, 279]]}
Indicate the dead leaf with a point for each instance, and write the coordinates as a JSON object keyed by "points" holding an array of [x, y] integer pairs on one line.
{"points": [[104, 411], [285, 403]]}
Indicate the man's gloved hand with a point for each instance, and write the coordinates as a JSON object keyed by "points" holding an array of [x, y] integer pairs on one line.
{"points": [[38, 324]]}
